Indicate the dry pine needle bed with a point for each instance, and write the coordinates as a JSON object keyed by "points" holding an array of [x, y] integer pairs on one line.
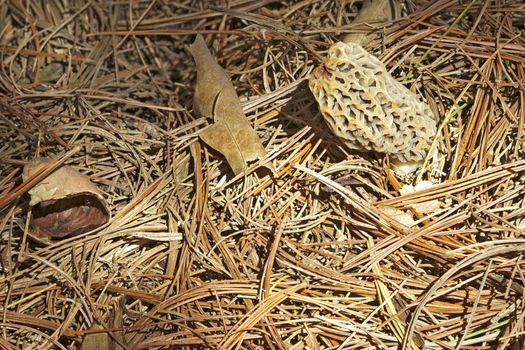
{"points": [[250, 188]]}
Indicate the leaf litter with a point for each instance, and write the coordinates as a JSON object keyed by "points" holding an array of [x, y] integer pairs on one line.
{"points": [[299, 260], [215, 97]]}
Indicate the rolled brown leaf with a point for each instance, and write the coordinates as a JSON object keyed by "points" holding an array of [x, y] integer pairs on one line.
{"points": [[66, 203], [215, 97]]}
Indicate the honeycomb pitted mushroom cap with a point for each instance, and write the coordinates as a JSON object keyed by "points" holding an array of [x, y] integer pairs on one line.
{"points": [[367, 108]]}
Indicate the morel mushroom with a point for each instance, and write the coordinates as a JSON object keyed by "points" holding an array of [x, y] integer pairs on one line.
{"points": [[370, 110]]}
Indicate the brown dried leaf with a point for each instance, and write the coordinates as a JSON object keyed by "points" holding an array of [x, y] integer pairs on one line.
{"points": [[215, 97], [373, 12], [422, 207], [403, 217], [106, 339], [64, 203], [97, 341], [52, 72]]}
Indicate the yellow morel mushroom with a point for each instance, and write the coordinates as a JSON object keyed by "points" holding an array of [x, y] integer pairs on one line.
{"points": [[370, 110]]}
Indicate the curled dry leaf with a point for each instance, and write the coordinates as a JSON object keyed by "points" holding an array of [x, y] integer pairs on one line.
{"points": [[373, 12], [215, 97], [64, 203]]}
